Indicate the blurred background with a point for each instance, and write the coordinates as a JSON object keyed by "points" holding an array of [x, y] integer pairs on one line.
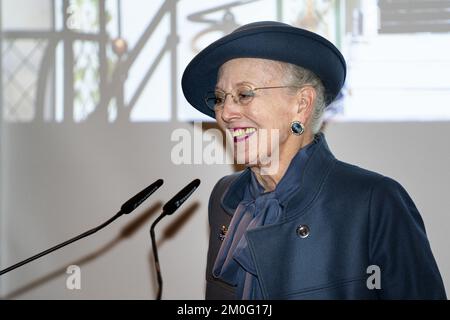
{"points": [[90, 97]]}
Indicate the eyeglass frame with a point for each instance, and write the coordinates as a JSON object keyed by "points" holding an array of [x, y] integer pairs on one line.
{"points": [[237, 100]]}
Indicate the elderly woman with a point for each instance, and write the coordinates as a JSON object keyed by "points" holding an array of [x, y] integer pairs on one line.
{"points": [[313, 227]]}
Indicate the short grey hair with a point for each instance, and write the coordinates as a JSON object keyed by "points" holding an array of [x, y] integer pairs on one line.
{"points": [[298, 76]]}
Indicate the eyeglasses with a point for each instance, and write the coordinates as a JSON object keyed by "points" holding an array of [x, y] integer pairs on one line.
{"points": [[243, 96]]}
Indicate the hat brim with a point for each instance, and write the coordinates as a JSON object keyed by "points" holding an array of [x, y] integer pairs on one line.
{"points": [[281, 43]]}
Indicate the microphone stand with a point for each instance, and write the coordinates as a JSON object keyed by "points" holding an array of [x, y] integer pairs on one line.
{"points": [[126, 208], [169, 208], [155, 255], [65, 243]]}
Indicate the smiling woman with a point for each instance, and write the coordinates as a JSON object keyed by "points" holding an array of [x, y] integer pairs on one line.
{"points": [[316, 226], [273, 109]]}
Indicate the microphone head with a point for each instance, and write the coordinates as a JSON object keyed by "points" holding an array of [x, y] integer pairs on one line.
{"points": [[135, 201], [173, 204]]}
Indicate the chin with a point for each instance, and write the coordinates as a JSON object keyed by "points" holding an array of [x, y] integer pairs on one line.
{"points": [[251, 155], [245, 159]]}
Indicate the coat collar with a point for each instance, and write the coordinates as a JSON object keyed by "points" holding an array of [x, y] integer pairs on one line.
{"points": [[310, 180]]}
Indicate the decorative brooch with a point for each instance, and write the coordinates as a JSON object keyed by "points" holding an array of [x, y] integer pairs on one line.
{"points": [[223, 233]]}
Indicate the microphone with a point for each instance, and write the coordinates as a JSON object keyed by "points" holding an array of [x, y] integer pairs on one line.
{"points": [[169, 208], [137, 200], [126, 208]]}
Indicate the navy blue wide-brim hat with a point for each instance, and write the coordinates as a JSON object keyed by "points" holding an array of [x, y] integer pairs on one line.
{"points": [[267, 40]]}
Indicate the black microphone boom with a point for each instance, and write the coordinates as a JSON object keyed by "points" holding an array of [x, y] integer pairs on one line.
{"points": [[174, 203], [170, 207], [137, 200], [126, 208]]}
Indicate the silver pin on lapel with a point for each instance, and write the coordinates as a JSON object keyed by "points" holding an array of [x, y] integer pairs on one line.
{"points": [[223, 233]]}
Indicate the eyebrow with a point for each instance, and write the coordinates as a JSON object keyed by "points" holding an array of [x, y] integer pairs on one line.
{"points": [[238, 84]]}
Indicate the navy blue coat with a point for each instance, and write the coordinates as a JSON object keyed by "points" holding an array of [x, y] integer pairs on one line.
{"points": [[356, 218]]}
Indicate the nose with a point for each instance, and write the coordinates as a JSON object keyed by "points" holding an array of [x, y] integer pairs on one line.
{"points": [[230, 110]]}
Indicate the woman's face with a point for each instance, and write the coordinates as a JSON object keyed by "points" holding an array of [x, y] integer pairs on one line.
{"points": [[264, 124]]}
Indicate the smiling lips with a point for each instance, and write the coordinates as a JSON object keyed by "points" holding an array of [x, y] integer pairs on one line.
{"points": [[241, 134]]}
